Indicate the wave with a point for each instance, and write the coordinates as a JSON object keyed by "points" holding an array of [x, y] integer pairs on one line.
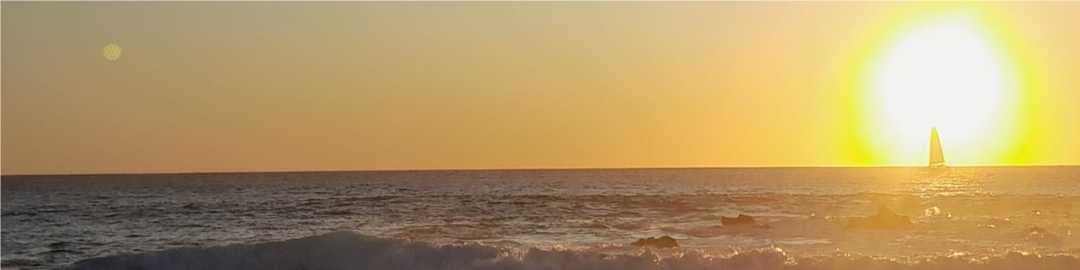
{"points": [[348, 250]]}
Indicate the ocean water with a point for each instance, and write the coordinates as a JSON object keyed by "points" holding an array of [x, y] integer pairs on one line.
{"points": [[962, 218]]}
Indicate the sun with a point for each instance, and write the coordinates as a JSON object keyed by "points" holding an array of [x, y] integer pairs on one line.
{"points": [[945, 72]]}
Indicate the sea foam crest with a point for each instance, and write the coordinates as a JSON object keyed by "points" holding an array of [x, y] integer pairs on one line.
{"points": [[346, 250]]}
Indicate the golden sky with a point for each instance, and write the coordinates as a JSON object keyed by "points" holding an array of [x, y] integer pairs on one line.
{"points": [[341, 86]]}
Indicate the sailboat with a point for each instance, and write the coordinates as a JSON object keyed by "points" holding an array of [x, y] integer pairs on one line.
{"points": [[937, 158]]}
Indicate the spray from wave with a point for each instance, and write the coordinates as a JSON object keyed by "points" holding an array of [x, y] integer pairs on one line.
{"points": [[347, 250]]}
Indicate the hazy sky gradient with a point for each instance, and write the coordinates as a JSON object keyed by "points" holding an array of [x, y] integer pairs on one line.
{"points": [[339, 86]]}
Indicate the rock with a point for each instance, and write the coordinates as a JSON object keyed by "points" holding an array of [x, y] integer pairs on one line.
{"points": [[336, 212], [1042, 236], [1036, 230], [737, 221], [656, 242], [885, 219]]}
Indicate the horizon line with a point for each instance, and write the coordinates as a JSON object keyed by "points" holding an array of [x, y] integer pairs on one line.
{"points": [[537, 169]]}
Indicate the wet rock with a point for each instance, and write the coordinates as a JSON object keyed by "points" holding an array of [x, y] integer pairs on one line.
{"points": [[885, 219], [17, 213], [1042, 236], [737, 221], [1036, 230], [336, 212], [656, 242], [58, 245]]}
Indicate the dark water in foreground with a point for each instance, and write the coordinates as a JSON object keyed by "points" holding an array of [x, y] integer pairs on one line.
{"points": [[977, 218]]}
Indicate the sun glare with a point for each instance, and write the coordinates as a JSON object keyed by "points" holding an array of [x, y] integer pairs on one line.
{"points": [[945, 72]]}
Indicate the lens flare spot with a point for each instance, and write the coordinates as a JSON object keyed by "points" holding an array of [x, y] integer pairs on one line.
{"points": [[112, 52]]}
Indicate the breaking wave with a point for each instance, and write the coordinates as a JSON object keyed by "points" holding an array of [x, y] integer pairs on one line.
{"points": [[347, 250]]}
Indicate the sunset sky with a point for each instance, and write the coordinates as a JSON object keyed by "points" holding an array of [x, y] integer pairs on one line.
{"points": [[358, 86]]}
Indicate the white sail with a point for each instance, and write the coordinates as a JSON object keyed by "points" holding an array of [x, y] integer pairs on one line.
{"points": [[937, 158]]}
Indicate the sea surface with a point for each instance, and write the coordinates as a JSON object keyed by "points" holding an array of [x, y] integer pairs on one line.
{"points": [[962, 218]]}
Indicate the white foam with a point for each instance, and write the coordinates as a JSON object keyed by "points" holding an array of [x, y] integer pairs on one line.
{"points": [[346, 250]]}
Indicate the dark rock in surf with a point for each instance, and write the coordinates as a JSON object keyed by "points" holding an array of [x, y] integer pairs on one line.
{"points": [[885, 219], [737, 221], [1036, 230], [1042, 236], [656, 242], [336, 212]]}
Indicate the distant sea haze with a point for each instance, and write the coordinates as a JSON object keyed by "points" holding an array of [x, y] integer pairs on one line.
{"points": [[960, 218]]}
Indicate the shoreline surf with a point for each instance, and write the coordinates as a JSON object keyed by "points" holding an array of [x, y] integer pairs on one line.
{"points": [[346, 250]]}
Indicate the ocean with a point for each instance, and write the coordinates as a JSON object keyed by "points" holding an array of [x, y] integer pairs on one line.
{"points": [[960, 218]]}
